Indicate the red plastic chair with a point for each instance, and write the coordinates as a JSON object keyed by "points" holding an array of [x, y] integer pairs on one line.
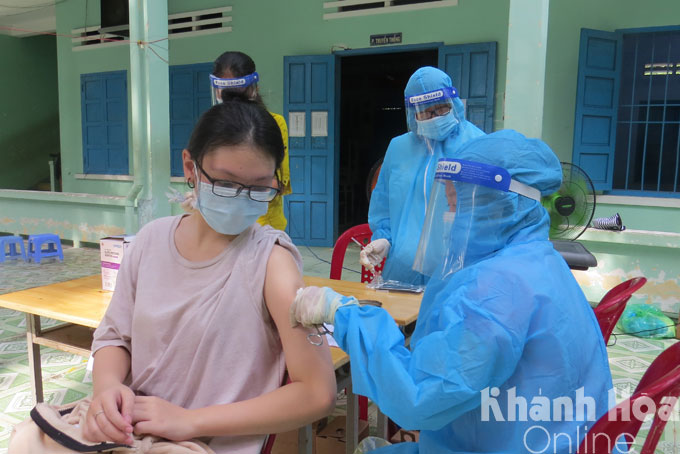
{"points": [[613, 304], [361, 233], [669, 358], [661, 381], [268, 444]]}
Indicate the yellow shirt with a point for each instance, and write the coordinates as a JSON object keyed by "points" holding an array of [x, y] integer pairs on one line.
{"points": [[274, 215]]}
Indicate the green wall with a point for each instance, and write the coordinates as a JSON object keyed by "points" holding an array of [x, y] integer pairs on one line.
{"points": [[634, 252], [297, 28], [566, 21], [284, 28], [29, 115], [564, 31], [77, 218], [72, 14], [625, 255]]}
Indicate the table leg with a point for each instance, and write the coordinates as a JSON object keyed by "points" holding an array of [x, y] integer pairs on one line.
{"points": [[32, 331], [305, 440], [352, 421], [382, 425]]}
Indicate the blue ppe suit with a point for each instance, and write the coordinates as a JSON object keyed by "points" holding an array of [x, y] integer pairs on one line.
{"points": [[399, 200], [512, 324]]}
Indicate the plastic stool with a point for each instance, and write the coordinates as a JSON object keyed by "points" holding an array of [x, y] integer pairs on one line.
{"points": [[11, 243], [36, 242]]}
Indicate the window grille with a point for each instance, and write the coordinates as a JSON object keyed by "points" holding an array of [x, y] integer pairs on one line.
{"points": [[350, 8], [647, 156], [192, 23]]}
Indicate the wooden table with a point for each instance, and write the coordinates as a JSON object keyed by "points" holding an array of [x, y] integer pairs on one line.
{"points": [[81, 303], [402, 306]]}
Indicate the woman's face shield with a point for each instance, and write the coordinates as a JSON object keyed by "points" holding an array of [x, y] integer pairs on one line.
{"points": [[217, 84], [464, 197]]}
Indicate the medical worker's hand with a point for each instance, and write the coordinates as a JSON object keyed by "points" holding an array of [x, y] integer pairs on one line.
{"points": [[156, 416], [109, 417], [374, 252], [317, 305]]}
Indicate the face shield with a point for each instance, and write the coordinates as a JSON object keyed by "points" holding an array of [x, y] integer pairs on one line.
{"points": [[463, 207], [218, 84], [432, 114]]}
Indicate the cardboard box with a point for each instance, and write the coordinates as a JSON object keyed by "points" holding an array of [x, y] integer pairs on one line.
{"points": [[405, 435], [331, 438], [287, 442], [112, 249]]}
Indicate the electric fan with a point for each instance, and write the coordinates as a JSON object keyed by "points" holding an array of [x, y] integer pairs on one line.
{"points": [[571, 208]]}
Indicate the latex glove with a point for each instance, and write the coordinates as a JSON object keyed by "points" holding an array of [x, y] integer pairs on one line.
{"points": [[187, 200], [374, 253], [317, 305]]}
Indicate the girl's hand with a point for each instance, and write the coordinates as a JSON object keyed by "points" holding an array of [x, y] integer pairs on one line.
{"points": [[109, 417], [155, 416]]}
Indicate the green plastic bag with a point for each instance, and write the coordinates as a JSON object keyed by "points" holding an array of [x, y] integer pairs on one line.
{"points": [[645, 320]]}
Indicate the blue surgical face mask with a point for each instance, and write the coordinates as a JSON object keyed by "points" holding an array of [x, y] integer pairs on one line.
{"points": [[228, 215], [437, 128]]}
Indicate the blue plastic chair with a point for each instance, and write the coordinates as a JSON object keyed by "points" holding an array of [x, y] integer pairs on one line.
{"points": [[9, 250], [36, 243]]}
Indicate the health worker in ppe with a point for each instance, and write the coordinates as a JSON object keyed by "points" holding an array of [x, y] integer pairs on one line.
{"points": [[506, 356], [437, 128], [235, 71]]}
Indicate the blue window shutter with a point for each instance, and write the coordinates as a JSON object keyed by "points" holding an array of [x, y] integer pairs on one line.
{"points": [[181, 115], [309, 89], [189, 98], [597, 96], [472, 68], [103, 103], [202, 84]]}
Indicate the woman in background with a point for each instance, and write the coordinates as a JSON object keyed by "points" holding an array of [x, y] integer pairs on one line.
{"points": [[235, 71]]}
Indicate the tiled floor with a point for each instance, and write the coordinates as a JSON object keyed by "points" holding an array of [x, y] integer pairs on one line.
{"points": [[629, 357], [67, 380], [317, 262]]}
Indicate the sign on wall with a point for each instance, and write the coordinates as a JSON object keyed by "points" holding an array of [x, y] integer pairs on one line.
{"points": [[388, 38]]}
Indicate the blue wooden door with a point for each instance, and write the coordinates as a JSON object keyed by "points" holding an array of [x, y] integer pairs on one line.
{"points": [[189, 98], [472, 68], [597, 96], [309, 108], [103, 102]]}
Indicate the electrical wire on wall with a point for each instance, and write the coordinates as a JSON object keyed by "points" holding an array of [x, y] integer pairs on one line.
{"points": [[148, 44], [64, 35], [44, 5], [29, 9]]}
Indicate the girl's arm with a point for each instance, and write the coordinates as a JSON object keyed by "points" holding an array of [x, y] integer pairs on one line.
{"points": [[111, 366], [109, 417], [309, 396]]}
